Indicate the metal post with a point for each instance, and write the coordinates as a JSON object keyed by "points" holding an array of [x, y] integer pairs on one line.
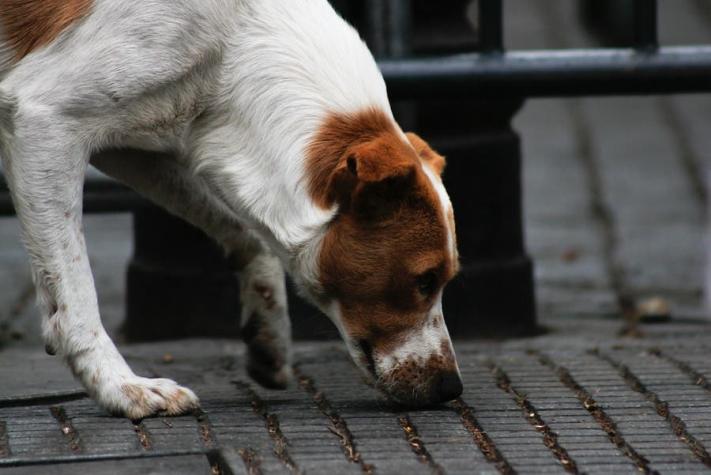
{"points": [[645, 24], [629, 23], [376, 27], [493, 294], [399, 28], [179, 284], [491, 34]]}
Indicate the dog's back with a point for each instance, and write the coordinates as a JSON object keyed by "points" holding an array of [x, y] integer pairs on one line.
{"points": [[130, 64]]}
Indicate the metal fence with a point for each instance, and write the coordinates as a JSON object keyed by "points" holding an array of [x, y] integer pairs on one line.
{"points": [[642, 68]]}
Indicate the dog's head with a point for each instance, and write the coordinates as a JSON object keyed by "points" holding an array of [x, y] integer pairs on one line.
{"points": [[387, 254]]}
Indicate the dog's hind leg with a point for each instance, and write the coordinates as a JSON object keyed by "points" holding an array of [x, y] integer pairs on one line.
{"points": [[44, 162], [265, 320]]}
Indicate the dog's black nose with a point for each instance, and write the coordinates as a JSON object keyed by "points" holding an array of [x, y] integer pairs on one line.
{"points": [[446, 386]]}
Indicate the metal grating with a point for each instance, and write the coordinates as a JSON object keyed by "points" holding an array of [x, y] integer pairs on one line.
{"points": [[530, 407]]}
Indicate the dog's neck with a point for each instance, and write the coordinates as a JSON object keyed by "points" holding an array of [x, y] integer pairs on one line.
{"points": [[283, 76]]}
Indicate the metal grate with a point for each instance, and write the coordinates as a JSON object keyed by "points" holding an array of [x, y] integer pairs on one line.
{"points": [[551, 406]]}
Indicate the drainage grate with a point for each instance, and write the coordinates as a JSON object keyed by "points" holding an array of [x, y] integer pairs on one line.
{"points": [[523, 411]]}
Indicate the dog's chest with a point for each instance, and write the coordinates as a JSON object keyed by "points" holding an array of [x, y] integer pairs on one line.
{"points": [[162, 119]]}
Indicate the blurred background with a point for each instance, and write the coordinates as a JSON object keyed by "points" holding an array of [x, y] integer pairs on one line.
{"points": [[614, 188]]}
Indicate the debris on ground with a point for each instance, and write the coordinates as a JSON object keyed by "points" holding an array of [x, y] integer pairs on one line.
{"points": [[654, 309]]}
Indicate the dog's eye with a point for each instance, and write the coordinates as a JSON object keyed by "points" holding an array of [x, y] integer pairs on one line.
{"points": [[427, 283]]}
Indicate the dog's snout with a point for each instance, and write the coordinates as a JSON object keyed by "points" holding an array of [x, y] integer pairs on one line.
{"points": [[446, 386]]}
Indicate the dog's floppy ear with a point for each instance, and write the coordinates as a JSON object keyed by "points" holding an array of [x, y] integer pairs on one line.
{"points": [[371, 177], [434, 160]]}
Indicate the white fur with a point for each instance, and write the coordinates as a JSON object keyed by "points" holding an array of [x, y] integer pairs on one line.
{"points": [[446, 205], [289, 69], [235, 89], [422, 343]]}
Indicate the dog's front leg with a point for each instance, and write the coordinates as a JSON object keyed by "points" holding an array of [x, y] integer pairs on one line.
{"points": [[266, 327], [45, 163]]}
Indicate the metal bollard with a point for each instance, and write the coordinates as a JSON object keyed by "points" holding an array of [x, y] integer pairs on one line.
{"points": [[179, 284], [494, 293]]}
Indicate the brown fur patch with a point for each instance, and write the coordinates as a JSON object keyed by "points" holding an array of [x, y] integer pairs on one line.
{"points": [[31, 24], [338, 136], [135, 394], [389, 231], [431, 158]]}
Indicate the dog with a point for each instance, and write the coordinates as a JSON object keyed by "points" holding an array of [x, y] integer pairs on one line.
{"points": [[268, 126]]}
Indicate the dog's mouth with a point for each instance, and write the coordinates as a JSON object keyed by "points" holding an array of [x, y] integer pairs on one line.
{"points": [[395, 396], [408, 386]]}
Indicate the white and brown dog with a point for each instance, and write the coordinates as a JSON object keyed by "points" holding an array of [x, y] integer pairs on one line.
{"points": [[280, 143]]}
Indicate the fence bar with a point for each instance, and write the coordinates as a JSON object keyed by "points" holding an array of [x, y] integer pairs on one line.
{"points": [[400, 28], [491, 34], [515, 74], [645, 24], [552, 73], [376, 11]]}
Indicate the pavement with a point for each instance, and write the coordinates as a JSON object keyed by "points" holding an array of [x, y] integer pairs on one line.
{"points": [[615, 209]]}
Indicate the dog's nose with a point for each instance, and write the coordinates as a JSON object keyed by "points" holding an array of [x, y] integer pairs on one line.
{"points": [[446, 386]]}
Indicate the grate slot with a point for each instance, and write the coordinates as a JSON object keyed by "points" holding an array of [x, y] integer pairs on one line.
{"points": [[418, 445], [662, 407], [481, 438], [607, 424], [4, 442], [67, 428], [271, 422], [338, 426], [533, 417]]}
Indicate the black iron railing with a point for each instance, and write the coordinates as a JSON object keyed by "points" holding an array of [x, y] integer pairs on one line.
{"points": [[644, 68], [552, 73]]}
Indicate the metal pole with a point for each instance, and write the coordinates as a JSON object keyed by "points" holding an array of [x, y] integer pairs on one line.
{"points": [[400, 28], [620, 71], [491, 34], [645, 25], [376, 27]]}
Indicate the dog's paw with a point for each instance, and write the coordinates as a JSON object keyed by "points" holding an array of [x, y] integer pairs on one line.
{"points": [[269, 377], [139, 397]]}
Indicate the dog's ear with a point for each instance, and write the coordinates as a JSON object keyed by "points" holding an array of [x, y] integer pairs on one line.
{"points": [[434, 160], [372, 177]]}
